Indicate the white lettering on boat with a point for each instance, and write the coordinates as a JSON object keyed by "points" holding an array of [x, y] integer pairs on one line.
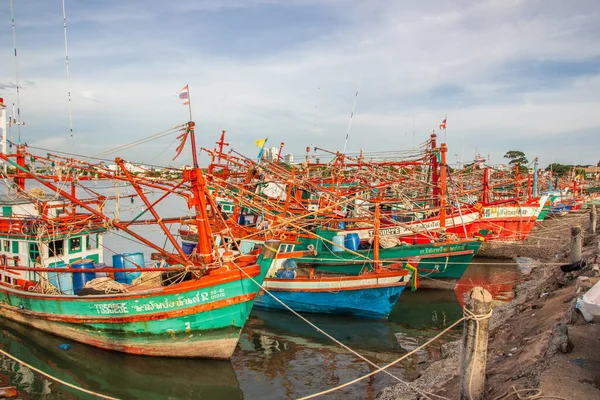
{"points": [[143, 305], [111, 308]]}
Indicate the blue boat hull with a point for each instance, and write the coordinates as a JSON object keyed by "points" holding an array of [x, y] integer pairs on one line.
{"points": [[366, 303]]}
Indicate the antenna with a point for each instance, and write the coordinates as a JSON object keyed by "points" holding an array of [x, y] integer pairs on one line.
{"points": [[352, 114], [12, 16], [68, 75]]}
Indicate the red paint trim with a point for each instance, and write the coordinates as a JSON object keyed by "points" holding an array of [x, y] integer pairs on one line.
{"points": [[334, 290], [136, 318]]}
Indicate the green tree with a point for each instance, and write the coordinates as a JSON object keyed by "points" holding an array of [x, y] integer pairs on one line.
{"points": [[518, 157], [559, 169]]}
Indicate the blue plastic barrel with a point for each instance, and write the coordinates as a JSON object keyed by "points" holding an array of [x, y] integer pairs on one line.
{"points": [[352, 241], [341, 225], [80, 279], [98, 268], [63, 280], [118, 263], [338, 240], [187, 247], [133, 260]]}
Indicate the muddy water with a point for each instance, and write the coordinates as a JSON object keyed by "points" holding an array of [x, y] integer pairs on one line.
{"points": [[279, 356]]}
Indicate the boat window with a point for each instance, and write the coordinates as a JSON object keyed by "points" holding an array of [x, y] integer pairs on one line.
{"points": [[74, 245], [56, 248], [91, 242], [34, 252], [6, 211], [7, 279], [6, 245]]}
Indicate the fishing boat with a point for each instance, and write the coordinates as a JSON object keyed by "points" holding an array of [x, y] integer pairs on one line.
{"points": [[184, 306], [446, 261], [371, 294]]}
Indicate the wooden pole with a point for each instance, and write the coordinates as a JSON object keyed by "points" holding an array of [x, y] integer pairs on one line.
{"points": [[593, 219], [576, 243], [475, 343]]}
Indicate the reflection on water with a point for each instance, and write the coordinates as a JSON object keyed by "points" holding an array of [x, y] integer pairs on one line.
{"points": [[497, 276], [279, 356], [121, 375]]}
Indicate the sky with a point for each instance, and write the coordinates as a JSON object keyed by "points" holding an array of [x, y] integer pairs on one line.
{"points": [[508, 75]]}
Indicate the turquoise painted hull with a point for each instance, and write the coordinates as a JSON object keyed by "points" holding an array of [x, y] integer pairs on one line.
{"points": [[366, 303], [439, 261], [199, 318]]}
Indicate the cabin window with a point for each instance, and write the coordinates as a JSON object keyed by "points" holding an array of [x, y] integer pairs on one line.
{"points": [[75, 245], [56, 248], [92, 241], [34, 252], [7, 211], [6, 245], [15, 247], [7, 279], [286, 248]]}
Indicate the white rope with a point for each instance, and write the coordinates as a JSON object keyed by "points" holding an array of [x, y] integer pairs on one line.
{"points": [[39, 371], [423, 393]]}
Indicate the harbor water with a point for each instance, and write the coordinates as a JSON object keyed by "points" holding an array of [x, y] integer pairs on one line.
{"points": [[279, 356]]}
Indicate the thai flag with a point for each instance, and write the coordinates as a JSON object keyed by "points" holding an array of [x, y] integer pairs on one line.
{"points": [[442, 125], [184, 95]]}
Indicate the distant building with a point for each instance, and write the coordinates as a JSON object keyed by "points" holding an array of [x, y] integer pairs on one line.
{"points": [[288, 158], [270, 154], [592, 172]]}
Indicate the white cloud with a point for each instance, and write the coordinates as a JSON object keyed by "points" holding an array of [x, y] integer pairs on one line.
{"points": [[474, 61]]}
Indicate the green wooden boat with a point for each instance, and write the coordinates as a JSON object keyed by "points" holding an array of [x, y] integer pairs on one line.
{"points": [[440, 261], [196, 318]]}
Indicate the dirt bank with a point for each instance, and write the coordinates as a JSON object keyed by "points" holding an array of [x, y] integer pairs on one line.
{"points": [[523, 350]]}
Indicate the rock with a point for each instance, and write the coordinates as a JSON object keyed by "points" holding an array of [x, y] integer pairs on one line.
{"points": [[559, 340], [572, 316]]}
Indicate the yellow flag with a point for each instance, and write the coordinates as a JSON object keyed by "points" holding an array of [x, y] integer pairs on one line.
{"points": [[260, 142]]}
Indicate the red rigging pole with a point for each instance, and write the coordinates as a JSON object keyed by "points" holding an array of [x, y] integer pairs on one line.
{"points": [[443, 167], [279, 153], [221, 143], [434, 170], [486, 186], [201, 200]]}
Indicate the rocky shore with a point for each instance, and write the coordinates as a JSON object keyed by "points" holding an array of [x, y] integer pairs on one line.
{"points": [[538, 340]]}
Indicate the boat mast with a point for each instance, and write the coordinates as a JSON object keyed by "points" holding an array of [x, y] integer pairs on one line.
{"points": [[3, 128], [443, 167], [201, 200], [376, 262], [486, 186]]}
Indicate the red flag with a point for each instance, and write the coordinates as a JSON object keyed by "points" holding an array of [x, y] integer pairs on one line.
{"points": [[442, 125], [184, 95], [183, 137]]}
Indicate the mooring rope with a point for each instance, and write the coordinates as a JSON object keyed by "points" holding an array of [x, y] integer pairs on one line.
{"points": [[103, 396], [407, 384]]}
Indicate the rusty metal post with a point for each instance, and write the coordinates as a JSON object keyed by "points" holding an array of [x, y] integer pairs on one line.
{"points": [[475, 344]]}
